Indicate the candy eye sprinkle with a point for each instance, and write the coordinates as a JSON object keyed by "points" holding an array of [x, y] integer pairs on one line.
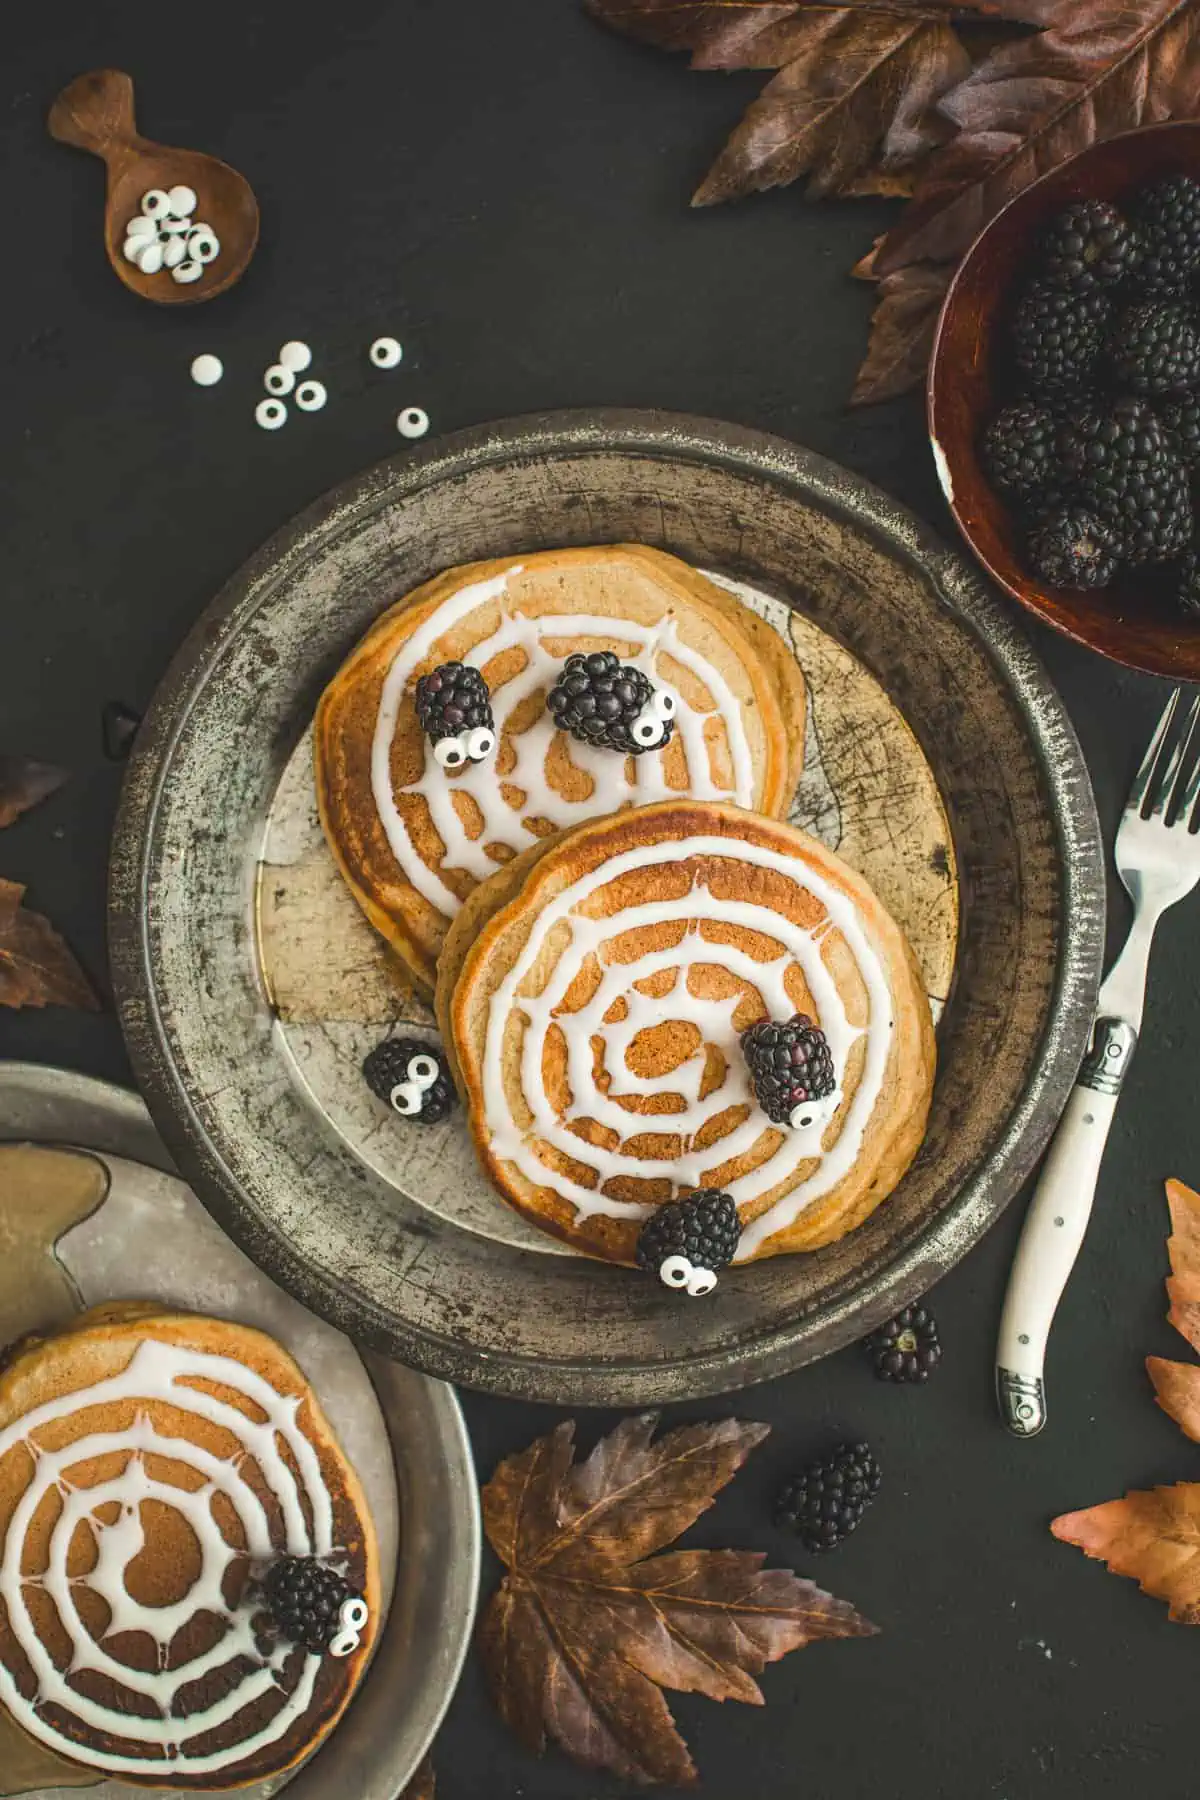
{"points": [[451, 752], [422, 1070], [663, 704], [647, 729], [676, 1272], [406, 1098], [480, 743], [700, 1282]]}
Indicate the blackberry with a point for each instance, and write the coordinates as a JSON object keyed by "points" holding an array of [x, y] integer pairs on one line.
{"points": [[1168, 215], [601, 700], [1131, 476], [1090, 245], [1182, 421], [1187, 587], [907, 1348], [1058, 335], [455, 710], [1020, 451], [686, 1242], [304, 1598], [825, 1502], [790, 1065], [413, 1077], [1155, 347], [1070, 547]]}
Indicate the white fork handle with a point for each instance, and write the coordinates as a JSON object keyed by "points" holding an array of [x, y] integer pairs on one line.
{"points": [[1054, 1227]]}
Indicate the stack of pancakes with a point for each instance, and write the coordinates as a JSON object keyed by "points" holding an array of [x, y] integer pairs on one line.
{"points": [[150, 1463], [598, 929]]}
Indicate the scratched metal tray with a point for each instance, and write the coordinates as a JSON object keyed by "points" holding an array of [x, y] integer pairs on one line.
{"points": [[261, 1117], [391, 1722]]}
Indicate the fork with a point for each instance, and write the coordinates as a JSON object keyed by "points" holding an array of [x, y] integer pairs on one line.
{"points": [[1158, 859]]}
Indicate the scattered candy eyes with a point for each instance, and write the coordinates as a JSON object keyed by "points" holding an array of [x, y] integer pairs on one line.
{"points": [[648, 727], [156, 203], [279, 379], [141, 227], [311, 396], [132, 248], [385, 353], [174, 228], [270, 414], [207, 370], [800, 1117], [188, 270], [181, 201], [295, 355], [676, 1272], [203, 244], [174, 252], [406, 1098], [423, 1070], [701, 1281], [663, 704], [149, 258], [451, 752], [351, 1619], [413, 422], [480, 743]]}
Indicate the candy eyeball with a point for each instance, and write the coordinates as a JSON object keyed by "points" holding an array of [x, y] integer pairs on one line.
{"points": [[406, 1098], [385, 353], [207, 369], [271, 414], [156, 203], [413, 422], [676, 1272], [181, 201], [663, 704], [174, 252], [701, 1281], [311, 396], [801, 1117], [203, 244], [648, 729], [141, 227], [480, 743], [279, 379], [188, 270], [422, 1070], [149, 258], [451, 752], [351, 1619], [295, 355]]}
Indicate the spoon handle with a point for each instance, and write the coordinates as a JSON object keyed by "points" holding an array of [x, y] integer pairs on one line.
{"points": [[95, 113]]}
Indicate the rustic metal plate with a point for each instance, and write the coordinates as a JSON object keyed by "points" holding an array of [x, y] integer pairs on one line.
{"points": [[205, 1038], [412, 1448]]}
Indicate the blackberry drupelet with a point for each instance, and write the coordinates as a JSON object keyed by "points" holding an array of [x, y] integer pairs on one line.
{"points": [[825, 1502], [1168, 216], [455, 711], [1070, 547], [687, 1241], [907, 1348], [1155, 347], [790, 1065], [1058, 335], [1020, 451], [1090, 245], [601, 700], [413, 1077], [1131, 476], [305, 1597], [1182, 421]]}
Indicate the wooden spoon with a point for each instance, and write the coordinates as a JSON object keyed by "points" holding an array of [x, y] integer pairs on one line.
{"points": [[96, 113]]}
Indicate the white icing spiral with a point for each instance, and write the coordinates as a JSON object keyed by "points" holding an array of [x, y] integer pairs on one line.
{"points": [[502, 823], [161, 1372], [621, 989]]}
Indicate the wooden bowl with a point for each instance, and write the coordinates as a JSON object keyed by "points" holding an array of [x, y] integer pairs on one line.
{"points": [[1129, 622]]}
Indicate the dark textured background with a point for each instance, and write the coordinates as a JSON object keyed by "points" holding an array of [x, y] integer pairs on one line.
{"points": [[503, 186]]}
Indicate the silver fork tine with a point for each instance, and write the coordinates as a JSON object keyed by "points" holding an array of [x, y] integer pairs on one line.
{"points": [[1165, 783], [1141, 781], [1191, 792]]}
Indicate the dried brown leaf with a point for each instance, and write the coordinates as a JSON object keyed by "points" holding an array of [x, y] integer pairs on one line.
{"points": [[423, 1785], [852, 104], [1177, 1386], [36, 968], [902, 328], [1153, 1537], [25, 783], [1098, 67], [589, 1625], [1183, 1246]]}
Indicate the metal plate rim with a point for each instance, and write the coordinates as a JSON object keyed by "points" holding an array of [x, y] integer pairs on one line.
{"points": [[39, 1103], [656, 435]]}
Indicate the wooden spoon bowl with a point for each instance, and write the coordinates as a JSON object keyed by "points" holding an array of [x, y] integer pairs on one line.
{"points": [[1134, 622], [96, 113]]}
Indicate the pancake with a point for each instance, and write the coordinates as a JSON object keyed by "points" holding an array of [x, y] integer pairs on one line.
{"points": [[414, 839], [151, 1464], [592, 997]]}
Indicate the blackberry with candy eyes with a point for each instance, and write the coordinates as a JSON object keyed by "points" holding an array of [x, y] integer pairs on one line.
{"points": [[685, 1243], [413, 1078], [455, 710]]}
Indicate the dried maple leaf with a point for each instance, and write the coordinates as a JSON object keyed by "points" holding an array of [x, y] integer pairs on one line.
{"points": [[851, 105], [902, 327], [589, 1624], [1098, 67], [24, 783], [36, 968], [1155, 1537]]}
